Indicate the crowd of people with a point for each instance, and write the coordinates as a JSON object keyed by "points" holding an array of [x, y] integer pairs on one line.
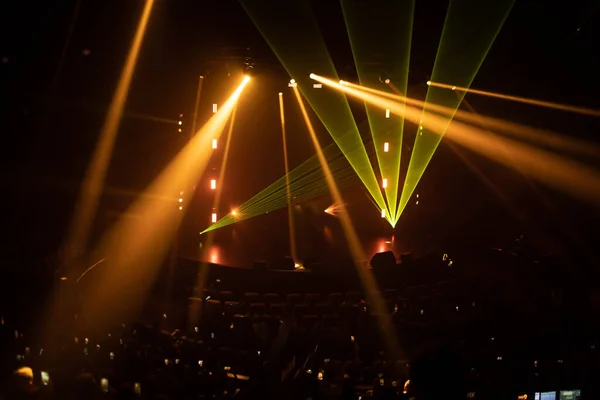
{"points": [[455, 338]]}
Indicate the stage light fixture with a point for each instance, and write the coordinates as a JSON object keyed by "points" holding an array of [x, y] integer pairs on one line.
{"points": [[214, 143], [387, 113], [386, 147], [214, 109], [317, 85], [387, 81], [234, 212], [428, 83], [180, 123], [213, 184], [384, 183], [383, 213], [292, 83], [179, 130], [214, 218]]}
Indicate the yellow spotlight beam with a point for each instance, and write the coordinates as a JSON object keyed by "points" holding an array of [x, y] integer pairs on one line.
{"points": [[541, 103], [551, 169], [370, 286], [89, 196], [287, 182], [135, 248], [382, 30], [543, 137]]}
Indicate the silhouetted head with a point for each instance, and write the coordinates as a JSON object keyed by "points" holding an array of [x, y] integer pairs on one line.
{"points": [[438, 374]]}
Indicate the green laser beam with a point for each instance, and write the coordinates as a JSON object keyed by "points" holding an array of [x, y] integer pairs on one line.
{"points": [[380, 34], [301, 50], [469, 31]]}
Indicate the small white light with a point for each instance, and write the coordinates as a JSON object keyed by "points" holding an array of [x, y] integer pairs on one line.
{"points": [[317, 85], [292, 81], [281, 94], [453, 87], [387, 112], [180, 123], [214, 143], [383, 213], [214, 109], [384, 183], [386, 147], [214, 217], [213, 184], [428, 83], [387, 81]]}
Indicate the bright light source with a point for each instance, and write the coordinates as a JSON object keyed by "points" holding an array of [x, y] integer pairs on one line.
{"points": [[214, 108], [281, 94], [181, 193], [213, 184], [180, 122], [428, 83], [180, 208], [181, 199], [384, 183], [317, 85], [387, 112], [453, 87], [214, 143], [386, 147], [180, 115], [292, 81], [247, 78], [214, 218], [234, 212], [387, 81], [179, 130], [342, 82], [383, 213], [312, 76]]}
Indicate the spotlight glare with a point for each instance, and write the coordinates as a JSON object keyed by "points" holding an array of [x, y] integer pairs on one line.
{"points": [[453, 87], [280, 93], [386, 147], [383, 213], [234, 212], [384, 183], [428, 83], [312, 76], [214, 218], [213, 184], [214, 143], [387, 81], [342, 82]]}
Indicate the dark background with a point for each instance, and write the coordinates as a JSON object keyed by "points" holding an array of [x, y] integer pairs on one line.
{"points": [[54, 98]]}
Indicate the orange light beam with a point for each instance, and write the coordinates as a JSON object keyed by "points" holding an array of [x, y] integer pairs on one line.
{"points": [[135, 248], [89, 196], [356, 250], [541, 103], [553, 170], [292, 231]]}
